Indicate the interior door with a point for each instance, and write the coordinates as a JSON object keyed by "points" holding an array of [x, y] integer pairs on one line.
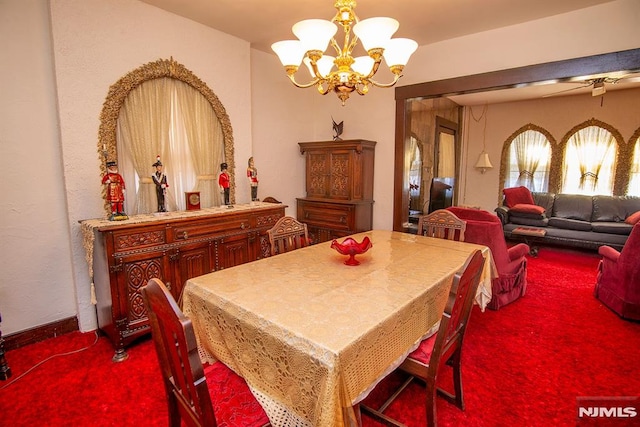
{"points": [[442, 192]]}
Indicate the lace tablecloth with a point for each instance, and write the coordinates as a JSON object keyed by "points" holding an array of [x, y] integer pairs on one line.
{"points": [[312, 336]]}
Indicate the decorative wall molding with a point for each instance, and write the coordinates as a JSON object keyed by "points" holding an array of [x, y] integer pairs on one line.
{"points": [[40, 333]]}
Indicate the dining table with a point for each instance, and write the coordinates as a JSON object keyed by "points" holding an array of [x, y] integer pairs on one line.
{"points": [[313, 336]]}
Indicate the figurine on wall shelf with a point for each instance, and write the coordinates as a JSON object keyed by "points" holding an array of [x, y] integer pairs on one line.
{"points": [[115, 192], [252, 176], [337, 128], [223, 182], [160, 180]]}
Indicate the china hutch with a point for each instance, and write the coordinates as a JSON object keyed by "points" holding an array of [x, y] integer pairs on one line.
{"points": [[339, 188]]}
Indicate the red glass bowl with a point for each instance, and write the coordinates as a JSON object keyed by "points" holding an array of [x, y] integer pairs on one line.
{"points": [[351, 247]]}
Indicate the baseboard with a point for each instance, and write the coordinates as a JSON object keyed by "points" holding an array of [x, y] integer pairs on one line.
{"points": [[40, 333]]}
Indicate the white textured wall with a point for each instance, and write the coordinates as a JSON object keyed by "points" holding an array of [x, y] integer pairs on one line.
{"points": [[36, 270]]}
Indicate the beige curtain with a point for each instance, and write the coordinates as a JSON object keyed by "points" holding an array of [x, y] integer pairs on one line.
{"points": [[595, 149], [167, 117], [205, 141], [143, 129], [446, 156], [531, 148]]}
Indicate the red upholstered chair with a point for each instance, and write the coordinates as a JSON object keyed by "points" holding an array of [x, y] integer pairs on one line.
{"points": [[618, 285], [485, 228], [442, 349], [193, 394]]}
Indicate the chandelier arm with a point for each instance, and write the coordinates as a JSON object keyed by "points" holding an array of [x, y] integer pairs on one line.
{"points": [[374, 69], [352, 45], [386, 85], [321, 90], [335, 45], [314, 67], [360, 91], [303, 86]]}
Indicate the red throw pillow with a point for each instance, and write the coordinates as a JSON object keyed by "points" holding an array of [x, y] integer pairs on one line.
{"points": [[516, 195], [528, 208], [633, 218]]}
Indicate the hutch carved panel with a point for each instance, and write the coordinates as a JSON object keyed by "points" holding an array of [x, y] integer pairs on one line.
{"points": [[339, 186]]}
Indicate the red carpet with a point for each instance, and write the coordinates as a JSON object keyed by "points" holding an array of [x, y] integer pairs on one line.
{"points": [[523, 365]]}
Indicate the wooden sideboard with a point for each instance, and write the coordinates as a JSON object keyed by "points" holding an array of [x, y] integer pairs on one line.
{"points": [[173, 247], [339, 187]]}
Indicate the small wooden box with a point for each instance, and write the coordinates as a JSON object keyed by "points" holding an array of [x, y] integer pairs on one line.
{"points": [[192, 199]]}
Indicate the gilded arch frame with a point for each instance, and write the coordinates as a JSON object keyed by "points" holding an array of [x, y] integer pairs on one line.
{"points": [[118, 92]]}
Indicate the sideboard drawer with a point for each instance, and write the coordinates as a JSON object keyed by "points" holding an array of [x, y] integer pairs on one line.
{"points": [[138, 238], [328, 215], [208, 229]]}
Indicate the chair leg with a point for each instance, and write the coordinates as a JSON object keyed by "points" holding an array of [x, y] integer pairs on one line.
{"points": [[432, 420], [378, 414], [174, 412], [457, 379], [457, 397]]}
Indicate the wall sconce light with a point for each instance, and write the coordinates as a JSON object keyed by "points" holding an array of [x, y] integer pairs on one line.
{"points": [[483, 162]]}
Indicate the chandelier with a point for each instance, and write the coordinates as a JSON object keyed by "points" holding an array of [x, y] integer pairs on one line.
{"points": [[343, 73]]}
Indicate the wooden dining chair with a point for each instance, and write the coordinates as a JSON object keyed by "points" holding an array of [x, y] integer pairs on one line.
{"points": [[443, 348], [288, 234], [192, 395], [443, 225]]}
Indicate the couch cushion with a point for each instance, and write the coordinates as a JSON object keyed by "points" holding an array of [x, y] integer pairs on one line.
{"points": [[631, 204], [633, 218], [573, 206], [515, 195], [570, 224], [517, 214], [545, 200], [614, 227], [608, 208], [534, 222], [585, 239], [526, 208]]}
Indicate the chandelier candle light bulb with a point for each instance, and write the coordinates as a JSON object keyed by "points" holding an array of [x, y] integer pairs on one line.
{"points": [[344, 74]]}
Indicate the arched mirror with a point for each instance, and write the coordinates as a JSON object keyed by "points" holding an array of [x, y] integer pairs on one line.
{"points": [[432, 96], [162, 114]]}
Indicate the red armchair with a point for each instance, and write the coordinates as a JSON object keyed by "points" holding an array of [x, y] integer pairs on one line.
{"points": [[618, 285], [485, 228]]}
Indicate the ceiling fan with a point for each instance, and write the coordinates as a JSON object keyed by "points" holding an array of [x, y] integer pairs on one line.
{"points": [[598, 84]]}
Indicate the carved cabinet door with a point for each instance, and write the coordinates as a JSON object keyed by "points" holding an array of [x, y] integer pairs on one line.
{"points": [[232, 251], [132, 272], [318, 173], [190, 261], [341, 175]]}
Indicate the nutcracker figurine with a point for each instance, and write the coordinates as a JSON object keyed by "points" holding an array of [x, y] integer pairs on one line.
{"points": [[115, 192], [224, 182]]}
